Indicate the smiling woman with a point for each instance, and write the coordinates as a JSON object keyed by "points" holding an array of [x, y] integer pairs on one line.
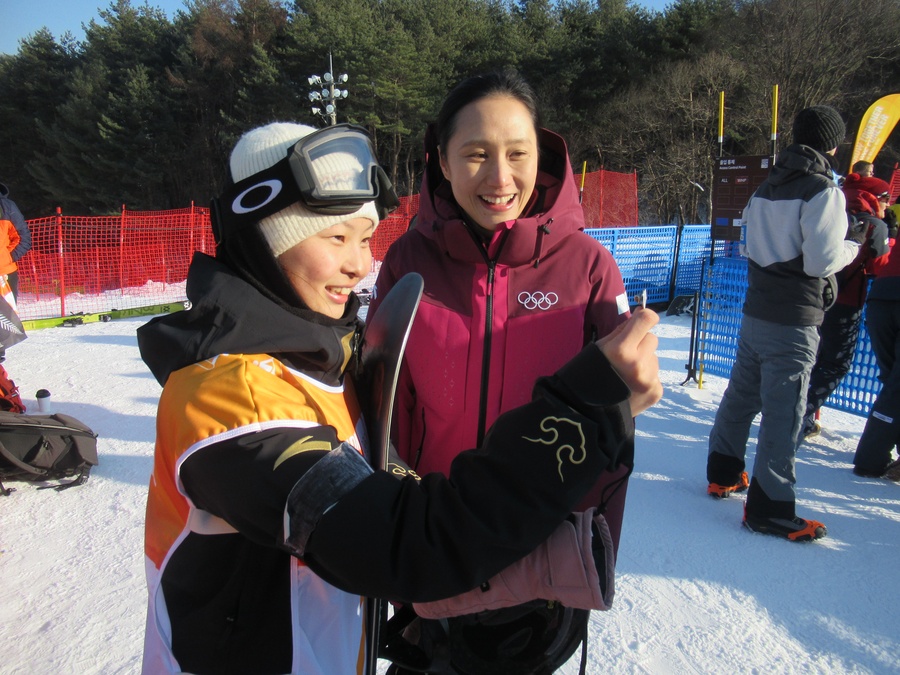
{"points": [[499, 222], [324, 268], [513, 289], [491, 160]]}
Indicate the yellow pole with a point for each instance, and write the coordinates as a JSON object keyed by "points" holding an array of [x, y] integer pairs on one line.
{"points": [[581, 189], [774, 117], [721, 120]]}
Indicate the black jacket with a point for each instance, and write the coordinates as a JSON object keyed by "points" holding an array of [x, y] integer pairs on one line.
{"points": [[365, 532]]}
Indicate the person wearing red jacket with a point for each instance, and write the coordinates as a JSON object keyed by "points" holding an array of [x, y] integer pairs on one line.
{"points": [[867, 198], [874, 458], [513, 286]]}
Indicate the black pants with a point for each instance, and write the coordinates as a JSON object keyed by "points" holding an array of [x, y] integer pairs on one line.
{"points": [[837, 344], [882, 430]]}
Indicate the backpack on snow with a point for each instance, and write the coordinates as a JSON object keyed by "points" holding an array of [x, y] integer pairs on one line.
{"points": [[37, 448]]}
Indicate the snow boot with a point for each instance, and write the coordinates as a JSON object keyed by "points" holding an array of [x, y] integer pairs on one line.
{"points": [[811, 431], [725, 475], [890, 472], [794, 529], [723, 491], [770, 516]]}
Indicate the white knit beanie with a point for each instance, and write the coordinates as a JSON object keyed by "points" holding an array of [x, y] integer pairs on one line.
{"points": [[265, 146]]}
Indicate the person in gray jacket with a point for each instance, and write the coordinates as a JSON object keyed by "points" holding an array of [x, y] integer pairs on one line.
{"points": [[794, 227]]}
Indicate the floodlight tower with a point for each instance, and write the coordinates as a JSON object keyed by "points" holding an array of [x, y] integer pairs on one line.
{"points": [[325, 99]]}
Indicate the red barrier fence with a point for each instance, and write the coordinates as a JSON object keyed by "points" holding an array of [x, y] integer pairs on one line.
{"points": [[609, 199], [82, 264]]}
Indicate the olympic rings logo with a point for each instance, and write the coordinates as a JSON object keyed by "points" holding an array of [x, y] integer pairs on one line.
{"points": [[538, 300]]}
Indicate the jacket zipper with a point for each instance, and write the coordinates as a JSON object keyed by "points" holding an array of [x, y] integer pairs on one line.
{"points": [[488, 331], [486, 355]]}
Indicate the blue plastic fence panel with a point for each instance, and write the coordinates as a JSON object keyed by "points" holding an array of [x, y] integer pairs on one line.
{"points": [[860, 386], [645, 256], [693, 254], [722, 298]]}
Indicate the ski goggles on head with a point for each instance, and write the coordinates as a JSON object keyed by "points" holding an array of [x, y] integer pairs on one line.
{"points": [[332, 171]]}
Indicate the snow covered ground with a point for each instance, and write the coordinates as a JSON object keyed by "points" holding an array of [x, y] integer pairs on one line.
{"points": [[696, 593]]}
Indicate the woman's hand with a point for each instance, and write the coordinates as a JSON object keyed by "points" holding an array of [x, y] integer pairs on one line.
{"points": [[631, 349]]}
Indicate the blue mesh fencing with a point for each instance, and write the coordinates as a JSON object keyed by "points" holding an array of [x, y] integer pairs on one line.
{"points": [[645, 256], [668, 264], [860, 385], [694, 251], [649, 257], [722, 298]]}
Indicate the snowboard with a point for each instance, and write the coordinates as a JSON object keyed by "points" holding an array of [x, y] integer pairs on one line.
{"points": [[384, 342], [681, 304], [11, 330]]}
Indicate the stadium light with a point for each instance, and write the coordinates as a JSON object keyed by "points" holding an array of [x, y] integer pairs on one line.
{"points": [[328, 95]]}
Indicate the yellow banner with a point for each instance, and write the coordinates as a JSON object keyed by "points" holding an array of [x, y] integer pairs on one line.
{"points": [[875, 127]]}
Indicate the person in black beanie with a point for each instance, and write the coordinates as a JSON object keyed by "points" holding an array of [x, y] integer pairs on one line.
{"points": [[793, 236]]}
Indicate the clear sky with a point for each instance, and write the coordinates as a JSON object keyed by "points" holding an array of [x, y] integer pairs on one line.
{"points": [[21, 18]]}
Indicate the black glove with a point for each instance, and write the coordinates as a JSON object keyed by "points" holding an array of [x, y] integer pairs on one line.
{"points": [[878, 243], [857, 229], [890, 218]]}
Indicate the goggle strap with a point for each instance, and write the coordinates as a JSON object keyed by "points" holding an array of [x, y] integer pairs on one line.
{"points": [[244, 203]]}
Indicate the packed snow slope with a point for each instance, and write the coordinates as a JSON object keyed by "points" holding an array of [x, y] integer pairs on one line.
{"points": [[696, 593]]}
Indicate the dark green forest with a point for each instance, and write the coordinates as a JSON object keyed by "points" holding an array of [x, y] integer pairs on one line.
{"points": [[143, 112]]}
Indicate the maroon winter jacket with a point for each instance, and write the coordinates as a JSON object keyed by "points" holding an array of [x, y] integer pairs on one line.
{"points": [[862, 203], [494, 317]]}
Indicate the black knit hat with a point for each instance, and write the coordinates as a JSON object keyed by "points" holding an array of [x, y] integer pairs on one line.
{"points": [[820, 127]]}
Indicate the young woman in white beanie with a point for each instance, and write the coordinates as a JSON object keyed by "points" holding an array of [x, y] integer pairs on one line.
{"points": [[265, 524]]}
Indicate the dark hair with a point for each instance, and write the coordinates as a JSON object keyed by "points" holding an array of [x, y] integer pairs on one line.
{"points": [[507, 82]]}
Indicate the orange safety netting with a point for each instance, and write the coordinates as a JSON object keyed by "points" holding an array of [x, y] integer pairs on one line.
{"points": [[895, 184], [609, 199], [94, 264], [80, 264]]}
